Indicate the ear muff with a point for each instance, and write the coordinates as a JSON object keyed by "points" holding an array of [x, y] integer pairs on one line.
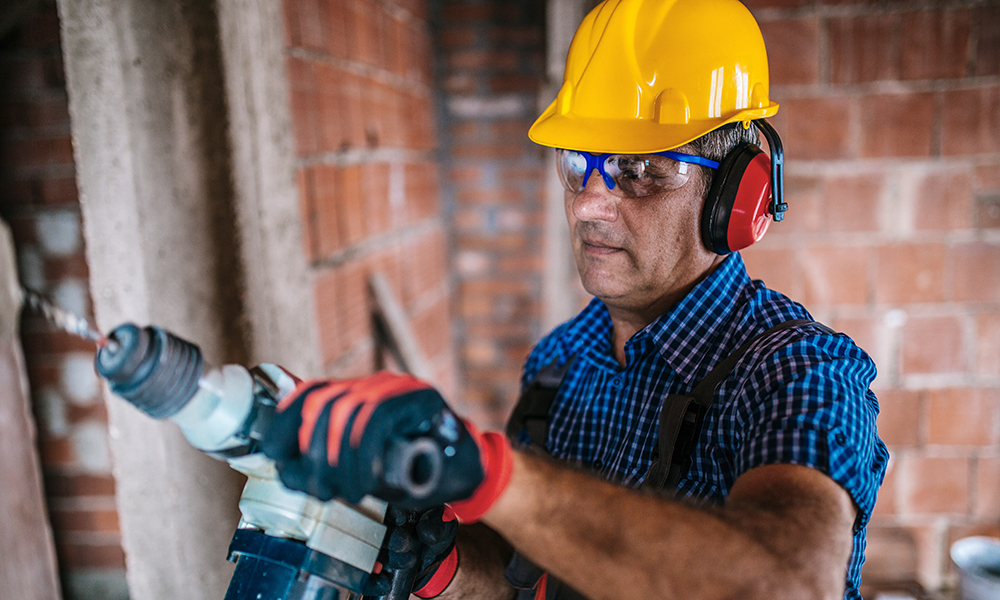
{"points": [[746, 193], [736, 211]]}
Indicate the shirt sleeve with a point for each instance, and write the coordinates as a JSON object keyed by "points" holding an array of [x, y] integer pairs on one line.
{"points": [[810, 404]]}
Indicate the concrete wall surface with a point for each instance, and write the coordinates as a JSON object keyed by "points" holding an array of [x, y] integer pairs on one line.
{"points": [[150, 139], [41, 202], [28, 569]]}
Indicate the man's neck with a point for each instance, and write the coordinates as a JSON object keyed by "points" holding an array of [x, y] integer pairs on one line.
{"points": [[626, 323], [626, 320]]}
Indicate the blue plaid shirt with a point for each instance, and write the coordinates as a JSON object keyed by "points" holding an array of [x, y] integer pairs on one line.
{"points": [[802, 398]]}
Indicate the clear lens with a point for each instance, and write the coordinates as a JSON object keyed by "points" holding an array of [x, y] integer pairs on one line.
{"points": [[572, 167], [637, 176], [634, 175]]}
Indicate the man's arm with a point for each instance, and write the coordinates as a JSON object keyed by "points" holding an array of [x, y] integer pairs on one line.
{"points": [[483, 556], [785, 532]]}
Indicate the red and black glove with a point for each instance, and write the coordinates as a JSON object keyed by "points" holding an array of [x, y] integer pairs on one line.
{"points": [[342, 438], [421, 542]]}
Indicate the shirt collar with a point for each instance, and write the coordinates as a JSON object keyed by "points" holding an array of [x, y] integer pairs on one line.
{"points": [[592, 341], [686, 336], [690, 336]]}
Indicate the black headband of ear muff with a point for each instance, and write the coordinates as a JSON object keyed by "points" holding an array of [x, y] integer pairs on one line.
{"points": [[778, 206]]}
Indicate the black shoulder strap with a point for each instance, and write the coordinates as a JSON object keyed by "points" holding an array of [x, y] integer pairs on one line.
{"points": [[529, 422], [681, 416]]}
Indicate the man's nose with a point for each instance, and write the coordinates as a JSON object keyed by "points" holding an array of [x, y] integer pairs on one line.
{"points": [[595, 202]]}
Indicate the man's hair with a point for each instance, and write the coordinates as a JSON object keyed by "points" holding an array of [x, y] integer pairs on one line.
{"points": [[718, 143]]}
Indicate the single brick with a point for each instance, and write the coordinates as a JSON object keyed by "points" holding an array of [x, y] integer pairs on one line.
{"points": [[977, 272], [933, 345], [103, 554], [817, 128], [325, 217], [943, 200], [853, 202], [796, 42], [935, 44], [963, 416], [971, 121], [897, 125], [864, 48], [835, 275], [332, 342], [911, 273], [351, 205], [987, 342], [304, 105], [885, 505], [899, 417], [931, 485], [987, 501], [986, 21]]}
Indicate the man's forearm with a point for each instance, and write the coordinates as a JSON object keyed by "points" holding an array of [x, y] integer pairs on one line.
{"points": [[612, 542], [482, 557]]}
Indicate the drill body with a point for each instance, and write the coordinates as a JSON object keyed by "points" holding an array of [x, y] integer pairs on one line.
{"points": [[288, 545]]}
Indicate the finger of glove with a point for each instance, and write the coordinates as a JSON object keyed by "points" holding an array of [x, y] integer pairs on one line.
{"points": [[321, 479], [433, 531], [378, 584], [373, 391], [354, 402], [346, 471], [300, 475], [281, 440]]}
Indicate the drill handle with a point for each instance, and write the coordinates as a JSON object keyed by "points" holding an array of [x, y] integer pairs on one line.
{"points": [[414, 466]]}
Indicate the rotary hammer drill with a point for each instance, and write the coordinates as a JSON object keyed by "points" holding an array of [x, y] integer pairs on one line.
{"points": [[288, 546]]}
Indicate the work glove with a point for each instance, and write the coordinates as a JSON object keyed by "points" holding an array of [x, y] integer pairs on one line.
{"points": [[346, 438], [423, 542]]}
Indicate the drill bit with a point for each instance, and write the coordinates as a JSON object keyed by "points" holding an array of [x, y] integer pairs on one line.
{"points": [[62, 319]]}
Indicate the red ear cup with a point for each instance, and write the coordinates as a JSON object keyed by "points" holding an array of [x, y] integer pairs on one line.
{"points": [[736, 213]]}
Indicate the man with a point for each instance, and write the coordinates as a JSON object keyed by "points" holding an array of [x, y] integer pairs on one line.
{"points": [[769, 495]]}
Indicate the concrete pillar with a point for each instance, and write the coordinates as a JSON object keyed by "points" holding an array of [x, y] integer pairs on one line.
{"points": [[279, 298], [149, 130], [28, 569], [561, 281]]}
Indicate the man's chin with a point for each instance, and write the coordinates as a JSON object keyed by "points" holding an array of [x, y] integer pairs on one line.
{"points": [[604, 288]]}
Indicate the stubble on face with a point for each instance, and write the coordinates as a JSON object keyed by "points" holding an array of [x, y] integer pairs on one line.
{"points": [[639, 255]]}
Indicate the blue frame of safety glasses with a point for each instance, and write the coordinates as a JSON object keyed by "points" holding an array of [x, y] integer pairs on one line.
{"points": [[596, 161]]}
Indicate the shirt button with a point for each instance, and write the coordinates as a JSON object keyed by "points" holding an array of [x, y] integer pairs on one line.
{"points": [[616, 382], [841, 439], [598, 464]]}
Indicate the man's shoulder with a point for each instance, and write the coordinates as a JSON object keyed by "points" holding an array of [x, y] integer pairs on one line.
{"points": [[754, 310]]}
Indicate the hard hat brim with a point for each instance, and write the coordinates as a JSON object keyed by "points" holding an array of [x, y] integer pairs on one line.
{"points": [[632, 136]]}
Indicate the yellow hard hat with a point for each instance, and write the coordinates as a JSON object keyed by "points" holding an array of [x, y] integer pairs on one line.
{"points": [[651, 75]]}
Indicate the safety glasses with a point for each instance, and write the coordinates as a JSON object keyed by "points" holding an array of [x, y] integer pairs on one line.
{"points": [[628, 175]]}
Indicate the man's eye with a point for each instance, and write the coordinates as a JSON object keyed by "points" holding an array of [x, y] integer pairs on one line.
{"points": [[631, 168]]}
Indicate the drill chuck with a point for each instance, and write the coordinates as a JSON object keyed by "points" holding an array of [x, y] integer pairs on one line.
{"points": [[154, 370]]}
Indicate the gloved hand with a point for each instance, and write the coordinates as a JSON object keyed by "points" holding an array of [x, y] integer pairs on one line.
{"points": [[339, 438], [424, 542]]}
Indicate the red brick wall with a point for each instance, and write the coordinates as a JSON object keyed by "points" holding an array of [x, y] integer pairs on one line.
{"points": [[362, 104], [38, 198], [891, 122], [491, 66]]}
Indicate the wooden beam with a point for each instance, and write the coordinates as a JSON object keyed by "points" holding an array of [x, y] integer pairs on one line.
{"points": [[401, 337]]}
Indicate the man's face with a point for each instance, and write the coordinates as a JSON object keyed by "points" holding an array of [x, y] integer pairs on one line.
{"points": [[639, 254]]}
